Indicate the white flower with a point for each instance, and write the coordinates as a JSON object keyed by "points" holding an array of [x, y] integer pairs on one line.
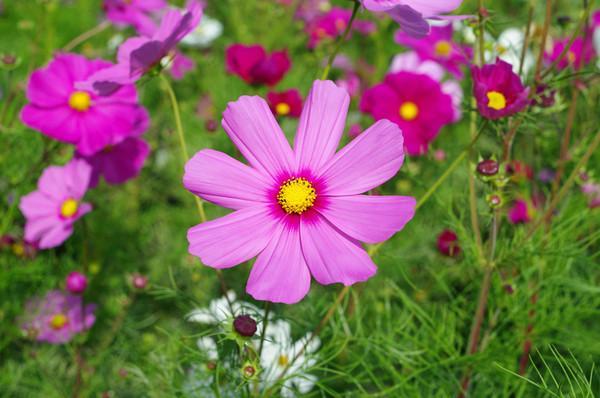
{"points": [[208, 30], [509, 47], [596, 42], [279, 350]]}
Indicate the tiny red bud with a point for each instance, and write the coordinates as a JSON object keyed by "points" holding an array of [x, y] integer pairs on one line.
{"points": [[488, 167], [249, 371], [245, 325]]}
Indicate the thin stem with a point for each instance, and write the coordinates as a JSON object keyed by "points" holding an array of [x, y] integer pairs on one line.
{"points": [[544, 37], [86, 35], [341, 41], [472, 197]]}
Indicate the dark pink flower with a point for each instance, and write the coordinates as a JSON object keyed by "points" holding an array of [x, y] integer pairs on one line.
{"points": [[576, 54], [351, 82], [415, 102], [286, 103], [56, 205], [333, 24], [447, 243], [139, 281], [56, 318], [438, 46], [179, 65], [521, 212], [76, 282], [78, 117], [136, 13], [519, 171], [254, 66], [19, 247], [138, 55], [498, 90]]}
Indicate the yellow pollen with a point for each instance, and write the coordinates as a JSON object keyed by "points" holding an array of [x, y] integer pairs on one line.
{"points": [[282, 108], [296, 195], [320, 32], [340, 24], [501, 49], [68, 208], [283, 360], [18, 249], [571, 56], [496, 100], [530, 212], [442, 48], [80, 101], [409, 111], [58, 321]]}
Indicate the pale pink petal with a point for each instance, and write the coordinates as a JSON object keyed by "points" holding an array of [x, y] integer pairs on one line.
{"points": [[56, 235], [222, 180], [37, 204], [321, 124], [255, 132], [331, 255], [280, 273], [52, 183], [370, 219], [233, 239], [35, 228], [366, 162]]}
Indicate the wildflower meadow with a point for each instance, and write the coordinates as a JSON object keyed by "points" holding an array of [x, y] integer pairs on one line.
{"points": [[299, 198]]}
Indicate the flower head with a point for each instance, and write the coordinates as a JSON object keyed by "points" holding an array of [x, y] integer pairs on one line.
{"points": [[300, 210], [76, 282], [254, 66], [333, 24], [136, 13], [286, 103], [498, 90], [56, 318], [577, 55], [207, 31], [56, 205], [61, 111], [521, 212], [447, 243]]}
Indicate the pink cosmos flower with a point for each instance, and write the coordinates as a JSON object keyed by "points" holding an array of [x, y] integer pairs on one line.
{"points": [[179, 65], [447, 243], [521, 212], [286, 103], [576, 54], [411, 14], [333, 24], [439, 47], [56, 318], [136, 13], [19, 247], [519, 171], [254, 66], [138, 55], [78, 117], [56, 205], [498, 90], [415, 102], [300, 210]]}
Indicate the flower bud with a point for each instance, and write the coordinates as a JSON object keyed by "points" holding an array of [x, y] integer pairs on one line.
{"points": [[139, 281], [447, 243], [76, 282], [249, 371], [488, 167], [244, 325]]}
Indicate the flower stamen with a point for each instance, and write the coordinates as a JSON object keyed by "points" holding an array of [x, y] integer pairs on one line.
{"points": [[80, 101], [408, 111], [296, 195], [69, 208], [496, 100]]}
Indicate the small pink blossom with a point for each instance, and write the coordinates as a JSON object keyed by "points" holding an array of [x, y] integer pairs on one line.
{"points": [[447, 243], [577, 55], [521, 212], [137, 13], [333, 24], [286, 103], [179, 65], [76, 282], [254, 66]]}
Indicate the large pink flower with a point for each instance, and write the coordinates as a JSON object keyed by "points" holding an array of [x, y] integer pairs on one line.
{"points": [[56, 205], [134, 12], [78, 117], [411, 14], [415, 102], [300, 210]]}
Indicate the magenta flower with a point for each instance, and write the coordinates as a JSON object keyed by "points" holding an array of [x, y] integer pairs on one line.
{"points": [[56, 205], [254, 66], [498, 90], [136, 13], [333, 24], [78, 117], [415, 102], [447, 243], [76, 282], [138, 55], [179, 65], [411, 14], [521, 212], [576, 54], [300, 210], [56, 318], [286, 103], [438, 47]]}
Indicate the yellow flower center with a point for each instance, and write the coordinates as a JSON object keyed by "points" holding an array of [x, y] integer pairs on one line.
{"points": [[296, 195], [69, 208], [80, 101], [442, 48], [320, 32], [409, 111], [58, 321], [283, 360], [501, 49], [18, 249], [282, 108], [571, 56], [496, 100], [340, 24]]}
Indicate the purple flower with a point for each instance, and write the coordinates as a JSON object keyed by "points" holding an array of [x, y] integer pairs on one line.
{"points": [[56, 318], [300, 210], [134, 12], [254, 66], [76, 282], [521, 212], [333, 24], [78, 117], [56, 205], [138, 55], [498, 90], [411, 14], [180, 65]]}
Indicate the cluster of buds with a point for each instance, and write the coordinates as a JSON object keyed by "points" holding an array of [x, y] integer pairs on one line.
{"points": [[492, 172]]}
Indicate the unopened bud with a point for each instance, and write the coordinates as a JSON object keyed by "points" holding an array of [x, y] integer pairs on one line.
{"points": [[76, 282], [245, 325], [488, 167]]}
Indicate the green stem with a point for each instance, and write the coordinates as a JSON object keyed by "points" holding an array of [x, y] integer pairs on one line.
{"points": [[341, 41], [86, 35]]}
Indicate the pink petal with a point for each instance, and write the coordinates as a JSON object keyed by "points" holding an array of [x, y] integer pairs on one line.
{"points": [[370, 219], [224, 181], [331, 255], [280, 273], [254, 131], [369, 160], [56, 122], [56, 235], [35, 228], [233, 239], [321, 124]]}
